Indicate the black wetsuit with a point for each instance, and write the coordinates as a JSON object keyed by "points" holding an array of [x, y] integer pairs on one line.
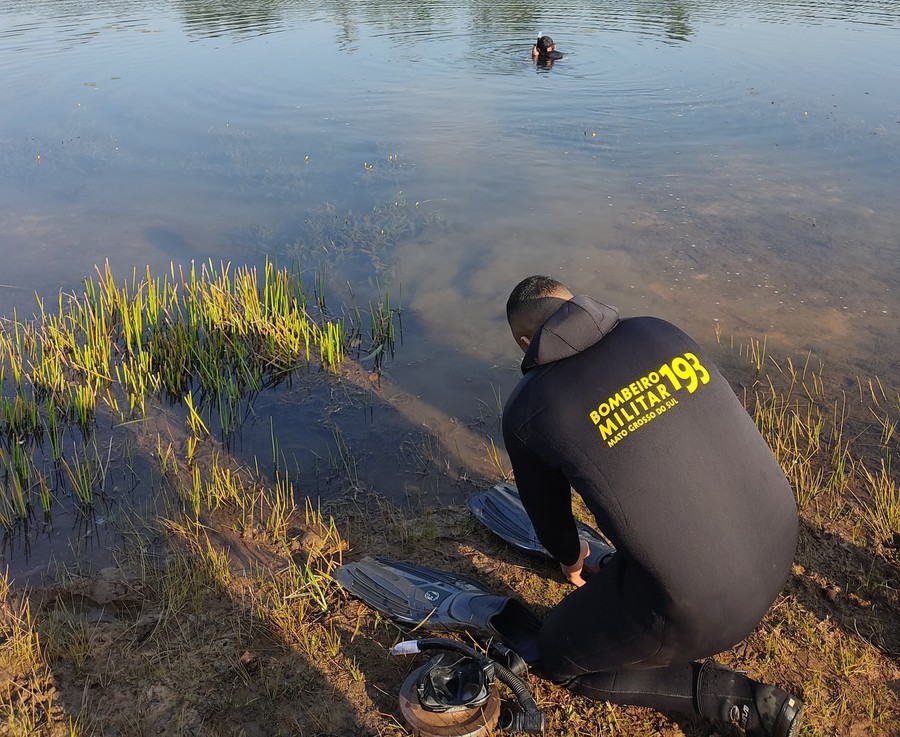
{"points": [[636, 418], [546, 60]]}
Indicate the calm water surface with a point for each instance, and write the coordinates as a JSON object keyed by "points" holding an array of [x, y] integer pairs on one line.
{"points": [[707, 161]]}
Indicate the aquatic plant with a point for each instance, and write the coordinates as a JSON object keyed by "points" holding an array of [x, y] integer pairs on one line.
{"points": [[207, 337], [332, 237]]}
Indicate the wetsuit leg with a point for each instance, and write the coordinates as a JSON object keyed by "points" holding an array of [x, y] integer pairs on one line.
{"points": [[594, 645], [670, 690], [595, 629]]}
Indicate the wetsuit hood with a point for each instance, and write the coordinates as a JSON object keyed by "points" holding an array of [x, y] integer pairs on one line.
{"points": [[580, 323]]}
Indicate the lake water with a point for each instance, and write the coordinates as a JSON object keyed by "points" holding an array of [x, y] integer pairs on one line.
{"points": [[710, 162]]}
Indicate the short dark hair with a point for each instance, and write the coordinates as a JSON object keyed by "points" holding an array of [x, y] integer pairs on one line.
{"points": [[532, 302], [530, 289], [544, 43]]}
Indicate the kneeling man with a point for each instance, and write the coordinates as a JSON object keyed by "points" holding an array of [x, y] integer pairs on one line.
{"points": [[632, 415]]}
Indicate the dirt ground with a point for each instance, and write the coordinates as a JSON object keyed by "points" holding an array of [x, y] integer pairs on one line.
{"points": [[132, 662]]}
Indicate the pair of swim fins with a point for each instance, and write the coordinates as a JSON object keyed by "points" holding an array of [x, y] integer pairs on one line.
{"points": [[424, 597]]}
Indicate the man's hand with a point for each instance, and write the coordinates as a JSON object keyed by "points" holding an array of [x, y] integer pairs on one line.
{"points": [[574, 572]]}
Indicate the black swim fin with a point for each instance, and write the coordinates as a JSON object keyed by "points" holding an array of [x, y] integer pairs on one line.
{"points": [[440, 600], [501, 511]]}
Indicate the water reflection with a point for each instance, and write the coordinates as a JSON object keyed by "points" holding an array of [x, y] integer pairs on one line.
{"points": [[670, 19], [675, 17], [215, 18]]}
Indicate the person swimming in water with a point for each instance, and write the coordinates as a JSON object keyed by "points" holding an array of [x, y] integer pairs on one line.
{"points": [[544, 51]]}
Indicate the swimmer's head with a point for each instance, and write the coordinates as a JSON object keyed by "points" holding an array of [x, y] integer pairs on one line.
{"points": [[545, 44]]}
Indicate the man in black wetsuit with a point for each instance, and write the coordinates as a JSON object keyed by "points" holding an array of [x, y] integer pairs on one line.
{"points": [[636, 418]]}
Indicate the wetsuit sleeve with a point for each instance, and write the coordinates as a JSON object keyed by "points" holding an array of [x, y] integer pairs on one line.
{"points": [[547, 498]]}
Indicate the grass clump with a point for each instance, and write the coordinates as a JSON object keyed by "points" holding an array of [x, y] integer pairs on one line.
{"points": [[838, 461], [27, 688], [231, 615], [207, 338]]}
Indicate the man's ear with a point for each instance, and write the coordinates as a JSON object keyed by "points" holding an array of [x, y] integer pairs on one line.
{"points": [[523, 342]]}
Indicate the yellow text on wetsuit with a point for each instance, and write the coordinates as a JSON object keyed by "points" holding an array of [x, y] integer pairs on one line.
{"points": [[647, 397]]}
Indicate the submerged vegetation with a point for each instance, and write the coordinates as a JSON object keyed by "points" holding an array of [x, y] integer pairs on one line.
{"points": [[330, 238]]}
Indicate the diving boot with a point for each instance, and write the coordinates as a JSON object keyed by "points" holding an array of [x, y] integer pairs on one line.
{"points": [[757, 709], [779, 713]]}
